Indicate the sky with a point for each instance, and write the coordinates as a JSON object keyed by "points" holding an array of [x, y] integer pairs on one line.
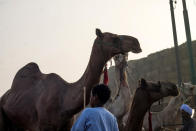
{"points": [[58, 34]]}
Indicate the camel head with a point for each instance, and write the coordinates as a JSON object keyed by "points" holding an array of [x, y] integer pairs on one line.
{"points": [[187, 89], [158, 90], [113, 44], [121, 65], [121, 59], [186, 93]]}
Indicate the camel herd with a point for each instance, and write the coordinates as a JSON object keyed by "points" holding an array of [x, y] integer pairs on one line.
{"points": [[45, 102], [161, 119]]}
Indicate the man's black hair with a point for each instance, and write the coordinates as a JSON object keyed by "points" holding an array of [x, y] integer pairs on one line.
{"points": [[102, 91]]}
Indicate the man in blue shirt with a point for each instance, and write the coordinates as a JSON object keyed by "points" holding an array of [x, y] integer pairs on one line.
{"points": [[188, 122], [97, 118]]}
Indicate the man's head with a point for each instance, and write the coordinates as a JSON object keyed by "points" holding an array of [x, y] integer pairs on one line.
{"points": [[99, 95], [186, 112]]}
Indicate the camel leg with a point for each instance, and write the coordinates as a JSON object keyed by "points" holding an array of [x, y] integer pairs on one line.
{"points": [[68, 125], [51, 128], [2, 121]]}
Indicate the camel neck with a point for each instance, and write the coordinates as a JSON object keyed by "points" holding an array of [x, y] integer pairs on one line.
{"points": [[140, 106], [91, 75], [174, 103], [95, 66], [172, 109]]}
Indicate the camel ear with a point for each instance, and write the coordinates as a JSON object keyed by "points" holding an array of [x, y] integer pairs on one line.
{"points": [[159, 83], [143, 83], [99, 33]]}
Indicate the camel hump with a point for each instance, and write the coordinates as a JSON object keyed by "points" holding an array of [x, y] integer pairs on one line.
{"points": [[27, 75], [28, 70]]}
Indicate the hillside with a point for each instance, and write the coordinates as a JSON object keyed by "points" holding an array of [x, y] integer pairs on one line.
{"points": [[158, 66], [162, 65]]}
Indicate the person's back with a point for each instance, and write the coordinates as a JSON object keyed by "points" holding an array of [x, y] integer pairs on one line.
{"points": [[97, 118]]}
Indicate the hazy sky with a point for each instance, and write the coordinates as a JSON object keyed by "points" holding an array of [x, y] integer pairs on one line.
{"points": [[58, 34]]}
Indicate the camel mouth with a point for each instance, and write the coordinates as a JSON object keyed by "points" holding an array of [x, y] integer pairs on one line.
{"points": [[137, 51], [174, 93]]}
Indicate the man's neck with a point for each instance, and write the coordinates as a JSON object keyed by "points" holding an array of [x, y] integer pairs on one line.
{"points": [[98, 105]]}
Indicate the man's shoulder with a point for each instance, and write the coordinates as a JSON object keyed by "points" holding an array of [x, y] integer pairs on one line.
{"points": [[100, 110], [95, 109], [108, 112], [90, 110]]}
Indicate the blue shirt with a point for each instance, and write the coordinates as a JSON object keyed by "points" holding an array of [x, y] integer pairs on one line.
{"points": [[95, 119]]}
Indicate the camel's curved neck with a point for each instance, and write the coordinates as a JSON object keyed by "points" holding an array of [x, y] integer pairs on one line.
{"points": [[172, 107], [91, 75], [176, 101], [120, 70], [117, 74], [140, 106], [95, 66]]}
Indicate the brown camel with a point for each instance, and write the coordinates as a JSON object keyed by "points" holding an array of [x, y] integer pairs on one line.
{"points": [[160, 119], [45, 102], [146, 94]]}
